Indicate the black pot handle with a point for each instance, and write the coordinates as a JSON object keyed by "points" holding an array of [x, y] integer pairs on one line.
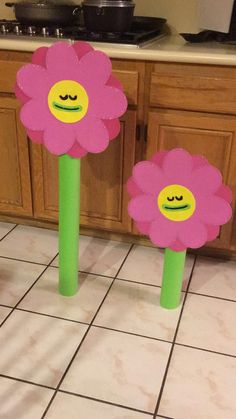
{"points": [[76, 11], [8, 4]]}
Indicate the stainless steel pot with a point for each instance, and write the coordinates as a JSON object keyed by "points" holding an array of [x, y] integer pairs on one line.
{"points": [[108, 15], [45, 11]]}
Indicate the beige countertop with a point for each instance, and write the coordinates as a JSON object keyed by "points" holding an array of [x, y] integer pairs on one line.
{"points": [[169, 48]]}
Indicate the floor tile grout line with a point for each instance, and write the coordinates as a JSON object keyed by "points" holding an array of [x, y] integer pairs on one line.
{"points": [[173, 343], [8, 233], [185, 345], [81, 343], [24, 260], [21, 380], [28, 290], [50, 316], [212, 296], [83, 396]]}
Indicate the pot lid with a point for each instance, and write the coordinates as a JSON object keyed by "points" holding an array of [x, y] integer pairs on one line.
{"points": [[44, 3], [109, 3]]}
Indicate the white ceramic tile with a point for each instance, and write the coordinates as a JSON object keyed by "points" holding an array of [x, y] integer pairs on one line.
{"points": [[209, 323], [145, 264], [119, 368], [4, 311], [38, 348], [15, 279], [22, 401], [214, 277], [5, 228], [200, 385], [136, 308], [99, 256], [31, 244], [45, 298], [68, 406]]}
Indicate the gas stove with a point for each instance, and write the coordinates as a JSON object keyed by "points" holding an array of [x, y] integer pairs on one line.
{"points": [[11, 29]]}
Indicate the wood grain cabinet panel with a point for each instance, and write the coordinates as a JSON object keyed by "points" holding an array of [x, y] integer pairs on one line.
{"points": [[197, 88], [213, 136], [15, 186], [103, 194]]}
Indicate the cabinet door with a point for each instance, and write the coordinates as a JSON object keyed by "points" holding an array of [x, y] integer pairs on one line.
{"points": [[103, 176], [210, 135], [15, 187]]}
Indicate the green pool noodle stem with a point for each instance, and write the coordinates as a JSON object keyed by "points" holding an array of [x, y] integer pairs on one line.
{"points": [[69, 214], [172, 278]]}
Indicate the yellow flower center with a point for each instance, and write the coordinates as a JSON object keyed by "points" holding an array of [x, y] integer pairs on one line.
{"points": [[176, 203], [68, 101]]}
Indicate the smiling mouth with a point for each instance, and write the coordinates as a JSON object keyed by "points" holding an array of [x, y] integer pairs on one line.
{"points": [[67, 108], [182, 207]]}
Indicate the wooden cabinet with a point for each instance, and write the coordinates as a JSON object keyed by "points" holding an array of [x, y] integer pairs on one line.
{"points": [[104, 198], [15, 185]]}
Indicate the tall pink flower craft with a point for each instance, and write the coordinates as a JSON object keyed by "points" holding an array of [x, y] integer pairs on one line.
{"points": [[179, 201], [71, 102]]}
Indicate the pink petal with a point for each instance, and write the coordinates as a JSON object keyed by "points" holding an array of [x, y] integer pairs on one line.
{"points": [[34, 115], [214, 210], [33, 80], [212, 232], [192, 234], [177, 246], [225, 193], [159, 157], [199, 161], [113, 127], [77, 151], [143, 228], [108, 103], [206, 179], [114, 82], [62, 61], [92, 135], [39, 56], [162, 233], [95, 63], [132, 188], [35, 136], [81, 48], [59, 138], [143, 208], [20, 95], [178, 165], [148, 177]]}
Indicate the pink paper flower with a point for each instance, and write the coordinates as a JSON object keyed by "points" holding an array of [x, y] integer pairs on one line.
{"points": [[71, 102], [178, 200]]}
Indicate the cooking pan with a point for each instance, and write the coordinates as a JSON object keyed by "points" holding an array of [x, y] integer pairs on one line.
{"points": [[44, 12], [146, 23]]}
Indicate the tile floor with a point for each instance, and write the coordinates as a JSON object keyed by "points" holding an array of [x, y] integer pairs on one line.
{"points": [[111, 352]]}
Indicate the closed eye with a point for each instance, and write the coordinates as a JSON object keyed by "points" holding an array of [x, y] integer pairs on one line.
{"points": [[170, 199], [179, 198], [73, 97], [63, 97]]}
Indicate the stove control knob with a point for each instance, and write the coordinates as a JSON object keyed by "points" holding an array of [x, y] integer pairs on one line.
{"points": [[58, 32], [3, 28], [45, 31], [31, 30], [17, 30]]}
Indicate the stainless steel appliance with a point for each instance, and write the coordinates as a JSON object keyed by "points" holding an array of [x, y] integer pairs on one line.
{"points": [[143, 30]]}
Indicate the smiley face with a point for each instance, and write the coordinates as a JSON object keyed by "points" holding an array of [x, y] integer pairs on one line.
{"points": [[68, 101], [176, 203]]}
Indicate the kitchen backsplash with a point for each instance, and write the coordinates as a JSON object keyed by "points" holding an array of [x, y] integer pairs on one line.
{"points": [[181, 14]]}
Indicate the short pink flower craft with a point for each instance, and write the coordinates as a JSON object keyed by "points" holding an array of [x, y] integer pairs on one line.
{"points": [[71, 102], [178, 200]]}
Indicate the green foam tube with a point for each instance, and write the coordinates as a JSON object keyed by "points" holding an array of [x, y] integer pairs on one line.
{"points": [[69, 211], [172, 279]]}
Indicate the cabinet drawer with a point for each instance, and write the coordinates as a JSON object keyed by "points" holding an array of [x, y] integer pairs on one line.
{"points": [[8, 72], [194, 89]]}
